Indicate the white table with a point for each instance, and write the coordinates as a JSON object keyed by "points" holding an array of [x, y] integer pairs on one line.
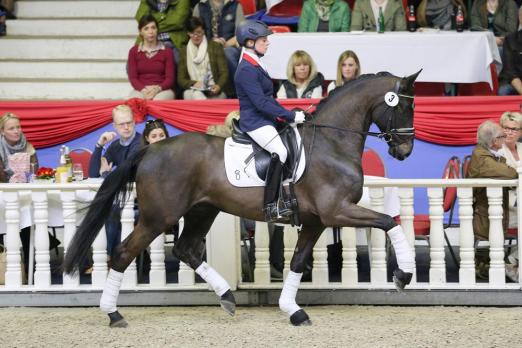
{"points": [[444, 56]]}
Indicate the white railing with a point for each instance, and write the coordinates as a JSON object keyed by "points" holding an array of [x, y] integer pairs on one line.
{"points": [[41, 203]]}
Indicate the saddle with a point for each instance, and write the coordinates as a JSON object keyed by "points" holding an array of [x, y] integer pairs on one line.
{"points": [[262, 156]]}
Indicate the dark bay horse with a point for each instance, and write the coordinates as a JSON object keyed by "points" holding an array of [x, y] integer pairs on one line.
{"points": [[185, 177]]}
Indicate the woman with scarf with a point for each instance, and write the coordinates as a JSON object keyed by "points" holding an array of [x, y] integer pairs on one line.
{"points": [[439, 14], [324, 16], [13, 147], [203, 72], [366, 14]]}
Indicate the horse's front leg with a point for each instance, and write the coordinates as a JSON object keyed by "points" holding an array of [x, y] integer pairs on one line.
{"points": [[303, 250], [352, 215]]}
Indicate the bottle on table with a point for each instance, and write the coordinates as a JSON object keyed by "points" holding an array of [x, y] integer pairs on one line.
{"points": [[412, 19], [459, 19], [68, 164], [61, 171], [380, 23]]}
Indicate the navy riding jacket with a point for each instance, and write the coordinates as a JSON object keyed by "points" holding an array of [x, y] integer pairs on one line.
{"points": [[255, 91]]}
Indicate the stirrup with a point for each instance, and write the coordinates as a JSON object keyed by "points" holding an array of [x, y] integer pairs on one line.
{"points": [[276, 212]]}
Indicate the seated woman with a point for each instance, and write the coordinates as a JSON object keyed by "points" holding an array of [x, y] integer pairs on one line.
{"points": [[324, 16], [151, 65], [203, 72], [439, 14], [511, 123], [154, 131], [304, 81], [366, 13], [348, 68], [497, 16], [13, 143]]}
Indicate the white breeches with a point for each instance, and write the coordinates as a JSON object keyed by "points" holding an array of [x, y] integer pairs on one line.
{"points": [[268, 138]]}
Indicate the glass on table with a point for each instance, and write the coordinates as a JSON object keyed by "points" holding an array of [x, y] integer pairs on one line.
{"points": [[77, 171]]}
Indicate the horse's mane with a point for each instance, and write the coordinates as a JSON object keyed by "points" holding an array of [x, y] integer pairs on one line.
{"points": [[349, 85]]}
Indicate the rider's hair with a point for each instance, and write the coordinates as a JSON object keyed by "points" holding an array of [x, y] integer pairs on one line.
{"points": [[297, 58]]}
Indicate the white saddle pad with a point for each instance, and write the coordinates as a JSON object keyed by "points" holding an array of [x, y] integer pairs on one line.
{"points": [[243, 174]]}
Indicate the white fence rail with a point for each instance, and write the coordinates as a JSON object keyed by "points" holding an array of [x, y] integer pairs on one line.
{"points": [[41, 205]]}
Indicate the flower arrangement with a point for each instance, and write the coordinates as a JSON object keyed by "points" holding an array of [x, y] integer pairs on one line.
{"points": [[45, 173]]}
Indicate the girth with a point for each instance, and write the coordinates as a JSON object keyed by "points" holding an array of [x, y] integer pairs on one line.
{"points": [[261, 156]]}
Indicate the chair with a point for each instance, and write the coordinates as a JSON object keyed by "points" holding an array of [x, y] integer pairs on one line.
{"points": [[421, 222], [249, 6], [286, 12], [429, 89], [372, 163], [465, 166], [82, 156], [280, 28]]}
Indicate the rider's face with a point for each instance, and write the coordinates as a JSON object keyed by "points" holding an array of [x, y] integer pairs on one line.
{"points": [[262, 44]]}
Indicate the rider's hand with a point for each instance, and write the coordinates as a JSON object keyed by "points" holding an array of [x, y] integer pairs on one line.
{"points": [[299, 117]]}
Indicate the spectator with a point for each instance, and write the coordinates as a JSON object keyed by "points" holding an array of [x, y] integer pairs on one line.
{"points": [[348, 68], [497, 16], [6, 12], [155, 131], [511, 122], [170, 16], [487, 162], [220, 19], [365, 15], [203, 72], [118, 151], [324, 16], [511, 74], [439, 14], [224, 130], [151, 66], [304, 81], [12, 143]]}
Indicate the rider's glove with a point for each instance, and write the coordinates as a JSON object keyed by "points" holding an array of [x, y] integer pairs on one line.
{"points": [[299, 117]]}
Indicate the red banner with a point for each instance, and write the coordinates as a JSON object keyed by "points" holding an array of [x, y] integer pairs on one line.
{"points": [[440, 120]]}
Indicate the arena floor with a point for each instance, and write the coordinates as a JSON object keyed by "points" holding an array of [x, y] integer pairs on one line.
{"points": [[333, 326]]}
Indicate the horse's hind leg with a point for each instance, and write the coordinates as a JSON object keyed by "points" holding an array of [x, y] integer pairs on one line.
{"points": [[303, 250], [191, 246], [127, 251]]}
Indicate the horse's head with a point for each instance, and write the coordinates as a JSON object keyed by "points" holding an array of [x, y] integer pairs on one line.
{"points": [[394, 116]]}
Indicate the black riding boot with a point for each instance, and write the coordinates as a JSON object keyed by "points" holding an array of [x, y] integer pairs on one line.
{"points": [[274, 208]]}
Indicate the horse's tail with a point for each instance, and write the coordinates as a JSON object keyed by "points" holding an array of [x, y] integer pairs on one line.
{"points": [[113, 192]]}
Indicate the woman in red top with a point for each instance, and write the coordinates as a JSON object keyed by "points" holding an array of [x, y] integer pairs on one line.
{"points": [[151, 65]]}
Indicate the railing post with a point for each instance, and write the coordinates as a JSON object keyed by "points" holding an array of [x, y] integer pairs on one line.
{"points": [[157, 274], [130, 278], [467, 239], [349, 275], [69, 228], [222, 236], [320, 256], [42, 274], [262, 266], [290, 241], [519, 217], [99, 259], [437, 254], [497, 273], [378, 240], [13, 274], [407, 216]]}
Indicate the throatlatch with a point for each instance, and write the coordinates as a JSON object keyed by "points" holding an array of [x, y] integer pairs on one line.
{"points": [[275, 207]]}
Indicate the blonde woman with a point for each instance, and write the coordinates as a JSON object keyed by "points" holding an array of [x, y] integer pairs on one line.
{"points": [[304, 81], [12, 143], [348, 68]]}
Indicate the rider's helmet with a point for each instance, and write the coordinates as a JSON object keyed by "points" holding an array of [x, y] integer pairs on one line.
{"points": [[251, 30]]}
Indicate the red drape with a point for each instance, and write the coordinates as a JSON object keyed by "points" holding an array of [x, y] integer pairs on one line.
{"points": [[441, 120]]}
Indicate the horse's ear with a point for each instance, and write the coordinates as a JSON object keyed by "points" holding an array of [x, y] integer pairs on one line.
{"points": [[407, 82]]}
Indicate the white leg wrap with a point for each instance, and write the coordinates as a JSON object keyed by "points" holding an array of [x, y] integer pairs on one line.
{"points": [[287, 299], [403, 252], [213, 278], [111, 291]]}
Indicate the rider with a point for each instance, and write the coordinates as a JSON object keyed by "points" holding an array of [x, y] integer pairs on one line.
{"points": [[260, 111]]}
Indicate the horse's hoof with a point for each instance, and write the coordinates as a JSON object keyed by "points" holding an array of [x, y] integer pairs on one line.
{"points": [[117, 320], [401, 279], [300, 318], [228, 303]]}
